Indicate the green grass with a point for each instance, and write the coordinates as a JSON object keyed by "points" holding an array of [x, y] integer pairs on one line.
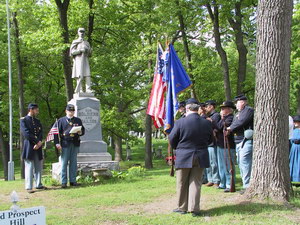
{"points": [[145, 200]]}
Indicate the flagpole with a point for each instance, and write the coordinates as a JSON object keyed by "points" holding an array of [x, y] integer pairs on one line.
{"points": [[10, 163]]}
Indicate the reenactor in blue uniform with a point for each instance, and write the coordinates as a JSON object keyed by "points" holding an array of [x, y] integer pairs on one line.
{"points": [[190, 137], [31, 129], [224, 157], [69, 144], [242, 128], [213, 171]]}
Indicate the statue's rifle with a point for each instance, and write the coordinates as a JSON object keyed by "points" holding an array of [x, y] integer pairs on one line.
{"points": [[81, 74]]}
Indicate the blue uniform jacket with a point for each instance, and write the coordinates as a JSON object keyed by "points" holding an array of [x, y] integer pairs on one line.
{"points": [[64, 126], [242, 121], [31, 129], [190, 137]]}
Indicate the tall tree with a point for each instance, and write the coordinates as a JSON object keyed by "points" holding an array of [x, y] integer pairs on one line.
{"points": [[236, 24], [91, 22], [148, 127], [270, 172], [213, 11], [62, 7], [5, 154], [188, 55]]}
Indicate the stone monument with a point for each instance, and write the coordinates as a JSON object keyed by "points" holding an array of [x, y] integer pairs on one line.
{"points": [[93, 150]]}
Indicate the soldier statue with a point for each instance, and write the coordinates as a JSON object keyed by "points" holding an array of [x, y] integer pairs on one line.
{"points": [[81, 50]]}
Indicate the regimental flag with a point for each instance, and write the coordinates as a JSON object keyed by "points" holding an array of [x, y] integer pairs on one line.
{"points": [[53, 130], [177, 81], [156, 105]]}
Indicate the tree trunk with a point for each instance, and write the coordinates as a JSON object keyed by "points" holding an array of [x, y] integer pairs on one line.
{"points": [[188, 56], [91, 22], [5, 154], [22, 110], [62, 8], [118, 148], [148, 142], [241, 47], [270, 171], [214, 16], [148, 120]]}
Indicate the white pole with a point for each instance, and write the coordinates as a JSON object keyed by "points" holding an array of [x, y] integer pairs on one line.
{"points": [[10, 163]]}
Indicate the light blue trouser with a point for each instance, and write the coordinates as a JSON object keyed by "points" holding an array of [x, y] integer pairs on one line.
{"points": [[224, 166], [33, 168], [244, 158], [212, 171], [69, 156]]}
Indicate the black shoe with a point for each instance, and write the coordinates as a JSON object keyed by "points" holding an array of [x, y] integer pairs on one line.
{"points": [[30, 191], [179, 211], [41, 187], [226, 190], [194, 214], [64, 186], [75, 184]]}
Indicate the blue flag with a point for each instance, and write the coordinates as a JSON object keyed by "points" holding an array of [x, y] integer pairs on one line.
{"points": [[177, 81]]}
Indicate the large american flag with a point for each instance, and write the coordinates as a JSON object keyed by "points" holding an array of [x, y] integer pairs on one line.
{"points": [[156, 105], [53, 130]]}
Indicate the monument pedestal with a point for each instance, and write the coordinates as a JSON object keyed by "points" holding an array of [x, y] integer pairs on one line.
{"points": [[93, 150]]}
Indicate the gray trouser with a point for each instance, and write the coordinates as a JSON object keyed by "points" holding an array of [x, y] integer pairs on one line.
{"points": [[33, 168], [189, 181]]}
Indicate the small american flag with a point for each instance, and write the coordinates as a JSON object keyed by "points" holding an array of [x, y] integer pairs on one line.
{"points": [[53, 130], [156, 107]]}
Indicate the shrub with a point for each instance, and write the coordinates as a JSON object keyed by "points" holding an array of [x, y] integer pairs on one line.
{"points": [[136, 171], [49, 181]]}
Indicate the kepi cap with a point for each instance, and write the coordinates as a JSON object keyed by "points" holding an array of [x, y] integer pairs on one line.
{"points": [[81, 29], [296, 118], [182, 104], [70, 107], [210, 102], [32, 106], [240, 97]]}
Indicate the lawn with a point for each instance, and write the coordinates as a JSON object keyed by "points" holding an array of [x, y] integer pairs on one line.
{"points": [[145, 199]]}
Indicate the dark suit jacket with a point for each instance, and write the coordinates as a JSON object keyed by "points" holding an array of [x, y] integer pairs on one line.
{"points": [[190, 137], [31, 129], [64, 128]]}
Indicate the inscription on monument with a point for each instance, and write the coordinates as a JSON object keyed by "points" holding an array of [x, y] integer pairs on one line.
{"points": [[89, 117]]}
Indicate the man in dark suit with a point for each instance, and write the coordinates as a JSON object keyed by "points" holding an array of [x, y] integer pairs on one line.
{"points": [[31, 129], [190, 137], [69, 144]]}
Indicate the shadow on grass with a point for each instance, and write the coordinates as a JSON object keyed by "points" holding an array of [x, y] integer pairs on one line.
{"points": [[245, 208]]}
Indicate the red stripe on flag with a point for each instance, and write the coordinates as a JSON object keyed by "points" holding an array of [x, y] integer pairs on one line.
{"points": [[50, 136], [156, 107]]}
